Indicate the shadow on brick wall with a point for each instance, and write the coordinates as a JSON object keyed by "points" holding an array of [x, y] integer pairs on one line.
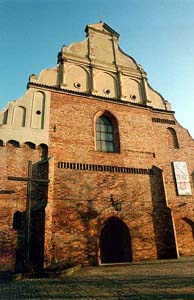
{"points": [[35, 247], [190, 223], [162, 218]]}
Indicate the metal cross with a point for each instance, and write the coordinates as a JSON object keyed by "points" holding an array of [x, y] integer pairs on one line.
{"points": [[29, 181]]}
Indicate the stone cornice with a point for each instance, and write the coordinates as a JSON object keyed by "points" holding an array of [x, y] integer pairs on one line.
{"points": [[118, 101]]}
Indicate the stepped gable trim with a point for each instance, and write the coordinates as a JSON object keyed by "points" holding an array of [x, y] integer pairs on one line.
{"points": [[103, 168], [56, 88]]}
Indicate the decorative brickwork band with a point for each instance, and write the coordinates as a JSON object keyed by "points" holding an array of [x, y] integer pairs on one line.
{"points": [[103, 168], [164, 121]]}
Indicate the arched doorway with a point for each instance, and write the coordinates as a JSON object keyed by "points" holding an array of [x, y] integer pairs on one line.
{"points": [[115, 242]]}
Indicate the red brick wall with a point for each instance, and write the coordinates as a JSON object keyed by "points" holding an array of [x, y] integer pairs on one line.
{"points": [[75, 194], [82, 203], [79, 201], [14, 162]]}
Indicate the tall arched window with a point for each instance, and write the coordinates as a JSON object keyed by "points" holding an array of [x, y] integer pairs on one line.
{"points": [[172, 139], [104, 135]]}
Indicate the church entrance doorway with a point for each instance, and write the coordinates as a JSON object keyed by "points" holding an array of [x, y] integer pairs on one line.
{"points": [[115, 242]]}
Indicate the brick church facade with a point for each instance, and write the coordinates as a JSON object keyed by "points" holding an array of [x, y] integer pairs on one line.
{"points": [[95, 168]]}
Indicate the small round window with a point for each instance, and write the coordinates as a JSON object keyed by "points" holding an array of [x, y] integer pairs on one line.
{"points": [[133, 97], [77, 85], [106, 91]]}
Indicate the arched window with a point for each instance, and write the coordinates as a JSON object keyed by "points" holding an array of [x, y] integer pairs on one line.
{"points": [[172, 139], [106, 132], [104, 135]]}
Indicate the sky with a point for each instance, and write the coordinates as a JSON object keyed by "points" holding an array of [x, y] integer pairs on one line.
{"points": [[158, 34]]}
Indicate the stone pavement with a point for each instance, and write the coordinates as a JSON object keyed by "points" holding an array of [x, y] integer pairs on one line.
{"points": [[166, 279]]}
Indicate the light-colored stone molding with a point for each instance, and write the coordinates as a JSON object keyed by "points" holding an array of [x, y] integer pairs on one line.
{"points": [[26, 119], [97, 65]]}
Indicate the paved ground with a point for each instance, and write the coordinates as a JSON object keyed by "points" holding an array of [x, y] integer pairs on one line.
{"points": [[173, 279]]}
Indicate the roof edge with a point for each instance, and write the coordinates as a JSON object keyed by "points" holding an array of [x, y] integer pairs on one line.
{"points": [[104, 25]]}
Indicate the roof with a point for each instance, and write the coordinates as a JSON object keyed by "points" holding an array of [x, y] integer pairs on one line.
{"points": [[101, 26]]}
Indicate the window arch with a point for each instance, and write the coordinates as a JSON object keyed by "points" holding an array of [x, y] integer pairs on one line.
{"points": [[106, 85], [30, 145], [14, 143], [107, 134], [172, 139]]}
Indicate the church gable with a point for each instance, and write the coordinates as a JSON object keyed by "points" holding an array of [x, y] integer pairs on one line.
{"points": [[82, 67], [101, 48]]}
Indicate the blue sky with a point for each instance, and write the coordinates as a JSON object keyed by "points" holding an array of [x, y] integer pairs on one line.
{"points": [[159, 34]]}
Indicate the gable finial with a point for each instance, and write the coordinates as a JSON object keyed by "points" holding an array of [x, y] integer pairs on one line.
{"points": [[100, 19]]}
